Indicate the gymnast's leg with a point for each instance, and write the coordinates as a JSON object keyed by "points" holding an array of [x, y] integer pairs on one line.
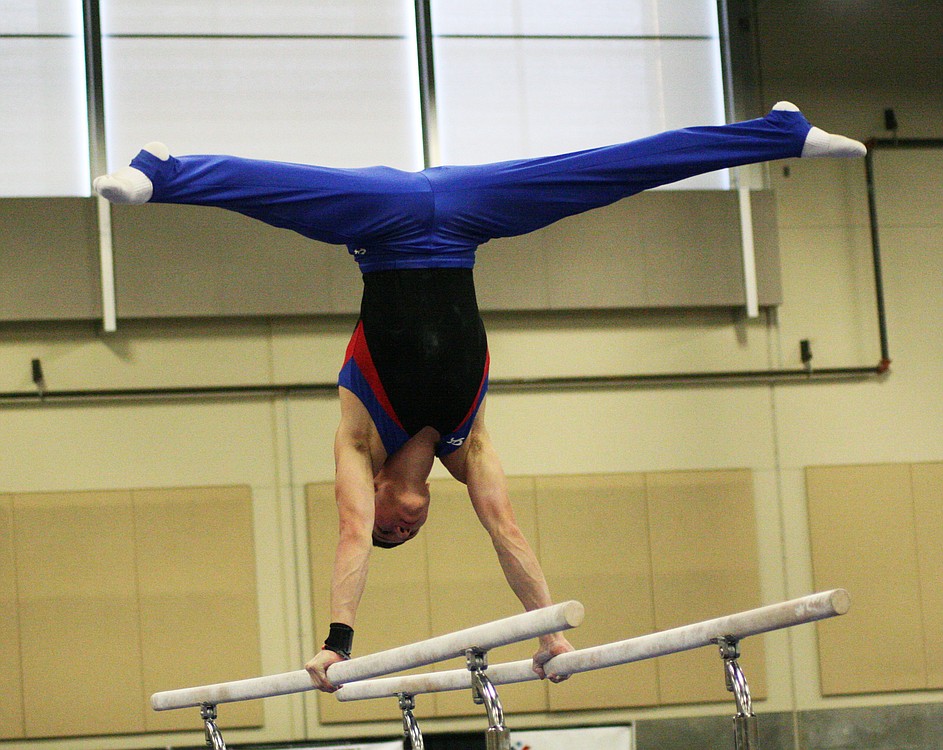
{"points": [[516, 197], [339, 206], [463, 206]]}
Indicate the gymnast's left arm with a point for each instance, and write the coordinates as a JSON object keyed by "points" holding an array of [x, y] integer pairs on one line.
{"points": [[487, 488]]}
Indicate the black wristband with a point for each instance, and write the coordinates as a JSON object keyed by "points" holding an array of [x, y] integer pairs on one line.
{"points": [[340, 640]]}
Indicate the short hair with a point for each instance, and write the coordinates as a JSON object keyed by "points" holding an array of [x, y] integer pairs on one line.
{"points": [[385, 545]]}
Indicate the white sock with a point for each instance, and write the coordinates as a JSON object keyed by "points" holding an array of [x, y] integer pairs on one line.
{"points": [[158, 149], [130, 185], [819, 143]]}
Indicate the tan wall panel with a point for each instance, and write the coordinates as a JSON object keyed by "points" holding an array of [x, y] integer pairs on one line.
{"points": [[198, 596], [664, 248], [928, 509], [863, 539], [595, 548], [609, 278], [186, 261], [77, 598], [467, 587], [691, 247], [394, 610], [11, 686], [49, 250], [704, 560]]}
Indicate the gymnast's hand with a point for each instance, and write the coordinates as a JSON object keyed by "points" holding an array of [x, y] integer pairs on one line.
{"points": [[317, 668], [550, 646]]}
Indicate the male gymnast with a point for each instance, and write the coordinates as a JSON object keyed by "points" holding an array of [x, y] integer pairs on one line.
{"points": [[414, 379]]}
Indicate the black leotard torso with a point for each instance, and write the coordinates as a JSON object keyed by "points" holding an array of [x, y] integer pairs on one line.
{"points": [[428, 343]]}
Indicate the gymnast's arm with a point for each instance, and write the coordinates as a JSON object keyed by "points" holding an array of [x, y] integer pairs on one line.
{"points": [[354, 493], [478, 466]]}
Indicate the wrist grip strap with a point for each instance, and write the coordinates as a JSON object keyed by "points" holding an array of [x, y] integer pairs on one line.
{"points": [[340, 640]]}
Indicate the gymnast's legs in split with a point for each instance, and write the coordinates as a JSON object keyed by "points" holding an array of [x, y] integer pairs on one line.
{"points": [[449, 211]]}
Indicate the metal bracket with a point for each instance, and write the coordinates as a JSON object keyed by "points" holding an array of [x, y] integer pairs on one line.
{"points": [[411, 731], [497, 736], [213, 738], [745, 731]]}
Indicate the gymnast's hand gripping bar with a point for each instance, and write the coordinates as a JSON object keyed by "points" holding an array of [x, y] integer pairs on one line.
{"points": [[484, 637], [736, 626]]}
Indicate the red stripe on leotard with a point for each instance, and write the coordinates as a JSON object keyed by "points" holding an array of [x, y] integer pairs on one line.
{"points": [[357, 349], [484, 381]]}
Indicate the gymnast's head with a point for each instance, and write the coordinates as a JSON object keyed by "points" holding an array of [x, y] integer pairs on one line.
{"points": [[401, 508]]}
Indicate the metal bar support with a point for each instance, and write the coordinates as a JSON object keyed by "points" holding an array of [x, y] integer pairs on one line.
{"points": [[411, 730], [745, 734], [497, 736], [214, 739]]}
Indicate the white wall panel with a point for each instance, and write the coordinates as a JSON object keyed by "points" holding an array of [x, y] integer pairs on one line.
{"points": [[40, 17], [592, 17], [43, 124], [280, 17], [337, 102], [513, 98]]}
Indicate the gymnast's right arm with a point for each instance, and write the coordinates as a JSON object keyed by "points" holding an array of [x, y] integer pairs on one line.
{"points": [[354, 492]]}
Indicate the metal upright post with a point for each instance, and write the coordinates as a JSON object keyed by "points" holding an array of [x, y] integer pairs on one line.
{"points": [[745, 732], [497, 736], [411, 731], [213, 738]]}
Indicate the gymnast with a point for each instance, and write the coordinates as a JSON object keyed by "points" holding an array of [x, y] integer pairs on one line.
{"points": [[414, 379]]}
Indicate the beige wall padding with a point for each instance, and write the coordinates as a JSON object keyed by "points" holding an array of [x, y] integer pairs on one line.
{"points": [[877, 528], [120, 593], [11, 686]]}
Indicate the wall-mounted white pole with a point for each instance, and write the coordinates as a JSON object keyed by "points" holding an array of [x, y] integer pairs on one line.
{"points": [[749, 253], [107, 266]]}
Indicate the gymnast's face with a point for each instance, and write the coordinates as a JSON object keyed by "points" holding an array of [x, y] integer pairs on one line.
{"points": [[400, 512]]}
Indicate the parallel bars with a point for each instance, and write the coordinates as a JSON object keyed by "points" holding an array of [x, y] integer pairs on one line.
{"points": [[484, 637], [731, 627]]}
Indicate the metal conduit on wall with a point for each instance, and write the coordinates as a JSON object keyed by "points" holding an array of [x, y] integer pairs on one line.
{"points": [[662, 380]]}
